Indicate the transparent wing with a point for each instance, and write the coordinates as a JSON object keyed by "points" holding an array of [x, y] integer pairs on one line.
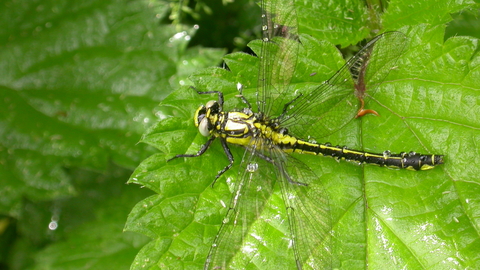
{"points": [[278, 56], [308, 213], [307, 210], [321, 111], [253, 187]]}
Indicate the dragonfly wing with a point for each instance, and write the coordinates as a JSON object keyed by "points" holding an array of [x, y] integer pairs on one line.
{"points": [[239, 245], [308, 212], [278, 56], [253, 187], [325, 109], [382, 54]]}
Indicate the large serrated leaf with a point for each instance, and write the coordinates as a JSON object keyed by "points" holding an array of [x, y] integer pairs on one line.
{"points": [[382, 218]]}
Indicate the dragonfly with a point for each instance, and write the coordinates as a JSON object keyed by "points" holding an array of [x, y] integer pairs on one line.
{"points": [[280, 127]]}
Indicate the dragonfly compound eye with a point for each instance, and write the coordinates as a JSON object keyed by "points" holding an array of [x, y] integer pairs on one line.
{"points": [[204, 127], [210, 104]]}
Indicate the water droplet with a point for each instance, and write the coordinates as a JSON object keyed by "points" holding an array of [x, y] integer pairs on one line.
{"points": [[239, 87], [53, 225], [252, 167], [179, 35]]}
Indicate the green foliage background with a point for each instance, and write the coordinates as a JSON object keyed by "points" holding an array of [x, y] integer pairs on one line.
{"points": [[81, 81]]}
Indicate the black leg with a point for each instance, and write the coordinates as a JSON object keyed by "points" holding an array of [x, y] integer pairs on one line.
{"points": [[292, 181], [220, 95], [285, 107], [230, 158], [199, 153], [282, 169], [244, 100]]}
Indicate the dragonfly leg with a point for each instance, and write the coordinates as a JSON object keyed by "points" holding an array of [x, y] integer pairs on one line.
{"points": [[220, 95], [244, 100], [242, 97], [230, 158], [199, 153], [290, 180], [285, 107], [282, 169]]}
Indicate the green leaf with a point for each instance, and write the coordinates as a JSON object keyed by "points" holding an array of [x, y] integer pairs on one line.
{"points": [[465, 23], [381, 218], [79, 84], [93, 239]]}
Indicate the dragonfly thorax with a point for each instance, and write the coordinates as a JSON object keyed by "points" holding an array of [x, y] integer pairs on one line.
{"points": [[235, 127]]}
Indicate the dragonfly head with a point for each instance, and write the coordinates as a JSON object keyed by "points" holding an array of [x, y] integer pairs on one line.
{"points": [[205, 117]]}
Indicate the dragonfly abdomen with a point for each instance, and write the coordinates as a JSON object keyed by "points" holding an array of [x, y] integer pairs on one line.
{"points": [[410, 161]]}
